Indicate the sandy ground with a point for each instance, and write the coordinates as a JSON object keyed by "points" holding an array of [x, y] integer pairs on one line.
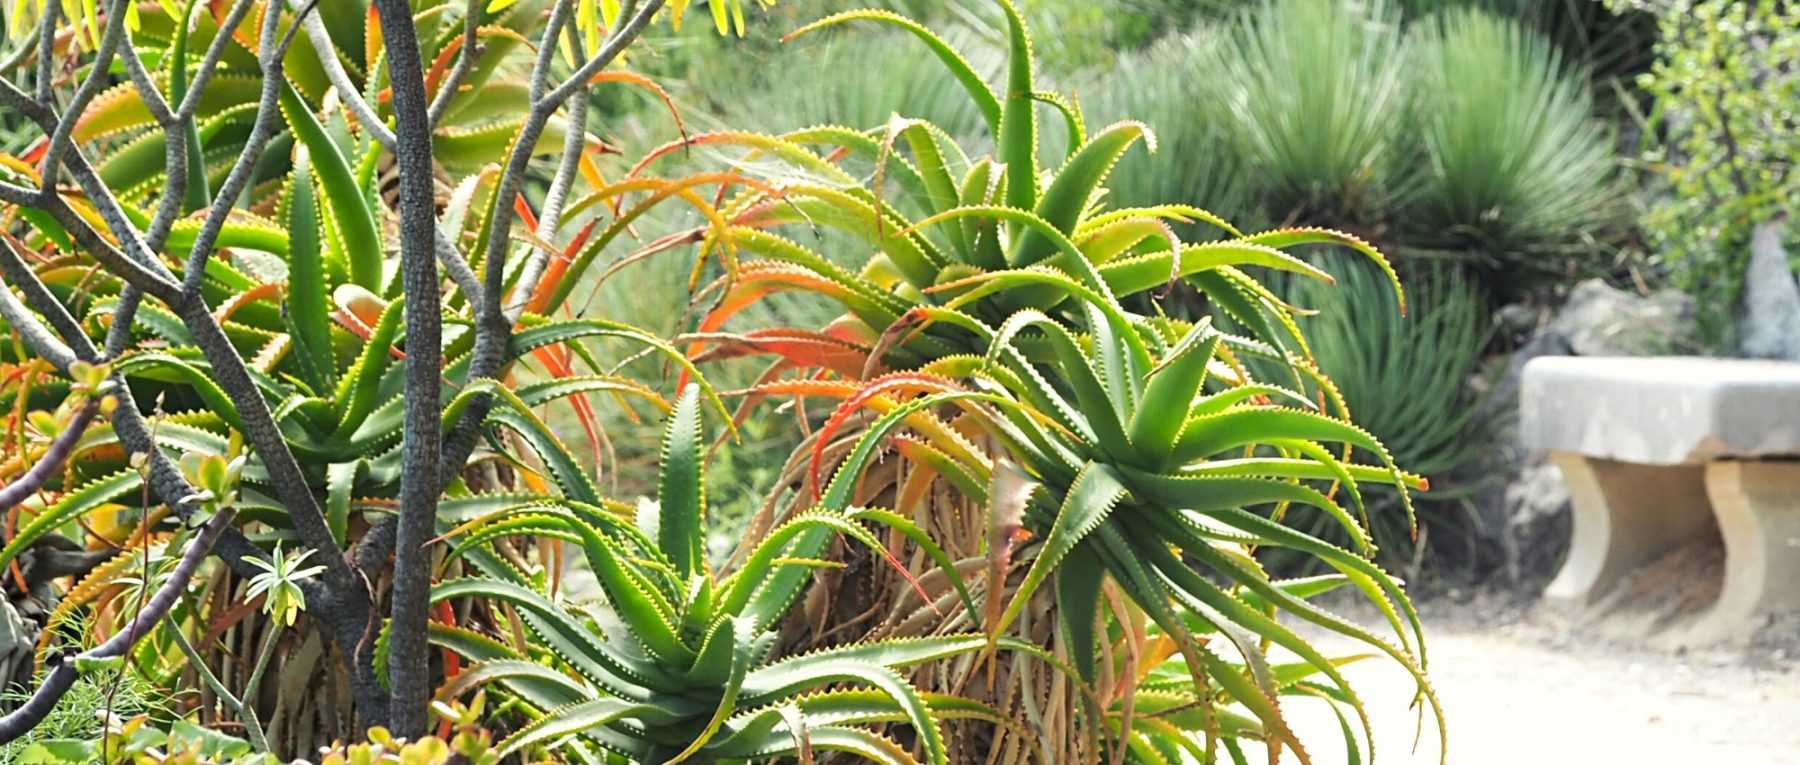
{"points": [[1523, 687]]}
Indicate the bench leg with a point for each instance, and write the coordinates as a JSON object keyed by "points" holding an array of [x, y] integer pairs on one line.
{"points": [[1758, 506], [1625, 515]]}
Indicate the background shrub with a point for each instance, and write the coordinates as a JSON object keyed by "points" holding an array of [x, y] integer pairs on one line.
{"points": [[1315, 92], [1514, 167]]}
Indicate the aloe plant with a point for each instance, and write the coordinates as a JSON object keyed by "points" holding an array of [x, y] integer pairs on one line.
{"points": [[226, 250], [1136, 470], [937, 218], [677, 665]]}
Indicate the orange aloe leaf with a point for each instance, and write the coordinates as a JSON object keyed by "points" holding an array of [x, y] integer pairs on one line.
{"points": [[269, 291], [802, 348]]}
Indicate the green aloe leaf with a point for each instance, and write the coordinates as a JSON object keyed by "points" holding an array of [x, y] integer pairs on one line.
{"points": [[305, 310], [359, 389], [348, 210], [681, 494]]}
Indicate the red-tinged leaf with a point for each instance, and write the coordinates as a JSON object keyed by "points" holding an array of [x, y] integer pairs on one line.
{"points": [[559, 368], [559, 266], [523, 209], [802, 348], [360, 303], [372, 40], [633, 78], [440, 66], [897, 382], [759, 279], [758, 142], [270, 292]]}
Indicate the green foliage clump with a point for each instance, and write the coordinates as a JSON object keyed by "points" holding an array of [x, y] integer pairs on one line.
{"points": [[81, 715], [1727, 135], [681, 666], [1316, 92], [1513, 161]]}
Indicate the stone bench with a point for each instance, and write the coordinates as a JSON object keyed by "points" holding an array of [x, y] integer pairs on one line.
{"points": [[1661, 451]]}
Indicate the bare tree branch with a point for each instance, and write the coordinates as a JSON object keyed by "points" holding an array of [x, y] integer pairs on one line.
{"points": [[16, 271], [346, 90], [51, 462], [63, 672], [492, 330], [268, 110], [465, 60], [190, 102], [37, 337]]}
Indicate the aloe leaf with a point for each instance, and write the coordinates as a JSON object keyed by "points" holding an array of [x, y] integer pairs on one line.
{"points": [[603, 663], [550, 333], [1090, 499], [1078, 582], [350, 215], [93, 496], [1174, 383], [581, 717], [681, 494], [359, 389], [147, 362], [1017, 138], [306, 310], [1074, 186], [340, 482], [196, 194], [515, 414]]}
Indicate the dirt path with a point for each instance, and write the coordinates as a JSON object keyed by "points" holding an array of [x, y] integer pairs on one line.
{"points": [[1521, 689]]}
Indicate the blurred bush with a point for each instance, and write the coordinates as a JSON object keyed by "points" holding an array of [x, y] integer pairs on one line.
{"points": [[1514, 167], [1723, 135], [1315, 95]]}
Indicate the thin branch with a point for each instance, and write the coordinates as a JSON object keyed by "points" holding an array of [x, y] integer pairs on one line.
{"points": [[550, 217], [614, 45], [52, 460], [267, 111], [41, 299], [244, 713], [447, 253], [37, 337], [222, 38], [146, 87], [347, 91], [62, 138], [63, 672], [19, 55], [492, 330], [116, 262], [465, 60], [46, 47]]}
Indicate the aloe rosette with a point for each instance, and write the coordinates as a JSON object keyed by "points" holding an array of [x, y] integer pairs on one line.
{"points": [[678, 663]]}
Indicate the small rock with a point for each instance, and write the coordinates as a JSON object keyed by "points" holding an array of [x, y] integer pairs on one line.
{"points": [[1771, 321], [1599, 320]]}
